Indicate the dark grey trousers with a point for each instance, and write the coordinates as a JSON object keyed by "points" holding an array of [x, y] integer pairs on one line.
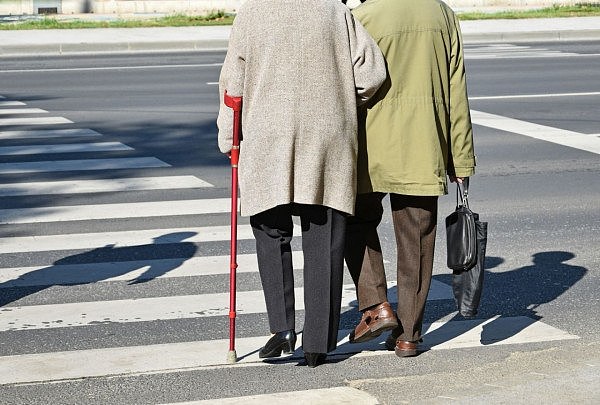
{"points": [[323, 233]]}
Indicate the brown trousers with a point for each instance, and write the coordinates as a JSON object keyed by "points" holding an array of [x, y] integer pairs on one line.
{"points": [[415, 222]]}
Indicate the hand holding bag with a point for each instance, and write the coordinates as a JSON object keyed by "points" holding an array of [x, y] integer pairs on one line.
{"points": [[466, 239]]}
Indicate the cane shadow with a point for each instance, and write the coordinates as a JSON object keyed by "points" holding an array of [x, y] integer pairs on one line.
{"points": [[91, 267], [511, 298]]}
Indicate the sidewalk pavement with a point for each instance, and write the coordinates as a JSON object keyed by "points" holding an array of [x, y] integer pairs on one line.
{"points": [[96, 40]]}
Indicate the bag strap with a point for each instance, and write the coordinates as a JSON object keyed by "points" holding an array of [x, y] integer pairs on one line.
{"points": [[463, 191]]}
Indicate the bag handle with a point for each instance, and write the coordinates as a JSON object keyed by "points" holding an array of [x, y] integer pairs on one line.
{"points": [[463, 190]]}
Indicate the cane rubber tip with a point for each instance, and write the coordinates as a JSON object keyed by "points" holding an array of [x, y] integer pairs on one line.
{"points": [[231, 357]]}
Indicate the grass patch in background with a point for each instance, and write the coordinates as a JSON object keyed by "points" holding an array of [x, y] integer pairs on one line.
{"points": [[176, 20], [222, 18], [578, 10]]}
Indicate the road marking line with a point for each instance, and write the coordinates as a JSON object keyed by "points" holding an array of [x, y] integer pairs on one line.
{"points": [[74, 241], [102, 185], [7, 111], [592, 93], [47, 133], [84, 273], [196, 65], [35, 121], [160, 358], [113, 211], [10, 103], [126, 271], [559, 136], [510, 51], [77, 314], [63, 148], [322, 396], [81, 165]]}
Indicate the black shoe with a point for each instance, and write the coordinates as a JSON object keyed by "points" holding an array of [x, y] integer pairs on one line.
{"points": [[314, 359], [280, 342]]}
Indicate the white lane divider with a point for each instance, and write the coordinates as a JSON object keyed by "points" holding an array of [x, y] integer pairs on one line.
{"points": [[545, 133]]}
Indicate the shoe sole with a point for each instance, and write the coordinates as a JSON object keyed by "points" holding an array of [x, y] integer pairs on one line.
{"points": [[406, 353], [373, 333]]}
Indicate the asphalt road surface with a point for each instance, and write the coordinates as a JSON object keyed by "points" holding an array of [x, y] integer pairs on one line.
{"points": [[114, 231]]}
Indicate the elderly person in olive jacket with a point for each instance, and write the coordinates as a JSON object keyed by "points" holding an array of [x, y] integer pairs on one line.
{"points": [[415, 132], [302, 67]]}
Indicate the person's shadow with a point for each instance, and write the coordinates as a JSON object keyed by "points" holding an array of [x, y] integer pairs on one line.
{"points": [[515, 294], [99, 264]]}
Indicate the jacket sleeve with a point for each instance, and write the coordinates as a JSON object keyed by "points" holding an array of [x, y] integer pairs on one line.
{"points": [[367, 60], [231, 80], [462, 157]]}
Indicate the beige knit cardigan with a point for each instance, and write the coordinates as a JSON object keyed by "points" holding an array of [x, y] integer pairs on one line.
{"points": [[302, 67]]}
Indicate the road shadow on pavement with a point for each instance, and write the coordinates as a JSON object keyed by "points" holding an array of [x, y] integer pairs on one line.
{"points": [[514, 293], [100, 264]]}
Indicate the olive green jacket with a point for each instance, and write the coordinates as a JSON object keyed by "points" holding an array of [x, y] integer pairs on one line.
{"points": [[417, 128]]}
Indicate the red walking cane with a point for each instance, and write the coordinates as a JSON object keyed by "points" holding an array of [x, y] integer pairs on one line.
{"points": [[236, 104]]}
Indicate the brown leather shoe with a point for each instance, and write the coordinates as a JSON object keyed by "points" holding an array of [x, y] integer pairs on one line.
{"points": [[374, 322], [406, 349]]}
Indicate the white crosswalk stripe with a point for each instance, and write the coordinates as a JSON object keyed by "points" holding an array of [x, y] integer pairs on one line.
{"points": [[159, 308], [35, 121], [63, 148], [38, 233], [201, 355], [128, 270], [44, 243], [47, 133], [81, 165], [103, 185], [11, 111], [10, 103], [111, 211]]}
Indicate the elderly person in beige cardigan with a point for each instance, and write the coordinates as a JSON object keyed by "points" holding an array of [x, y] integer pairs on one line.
{"points": [[302, 67]]}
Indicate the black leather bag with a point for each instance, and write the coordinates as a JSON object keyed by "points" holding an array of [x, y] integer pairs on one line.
{"points": [[467, 242], [461, 239]]}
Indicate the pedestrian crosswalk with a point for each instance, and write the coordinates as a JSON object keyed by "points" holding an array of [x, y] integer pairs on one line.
{"points": [[135, 271]]}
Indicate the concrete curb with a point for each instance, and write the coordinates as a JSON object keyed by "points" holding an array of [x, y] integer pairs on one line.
{"points": [[221, 44], [169, 39], [539, 36], [110, 47]]}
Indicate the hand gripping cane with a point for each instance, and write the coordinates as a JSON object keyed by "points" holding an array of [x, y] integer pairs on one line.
{"points": [[236, 104]]}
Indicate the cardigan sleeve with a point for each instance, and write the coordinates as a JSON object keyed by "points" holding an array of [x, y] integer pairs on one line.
{"points": [[231, 80], [367, 61]]}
